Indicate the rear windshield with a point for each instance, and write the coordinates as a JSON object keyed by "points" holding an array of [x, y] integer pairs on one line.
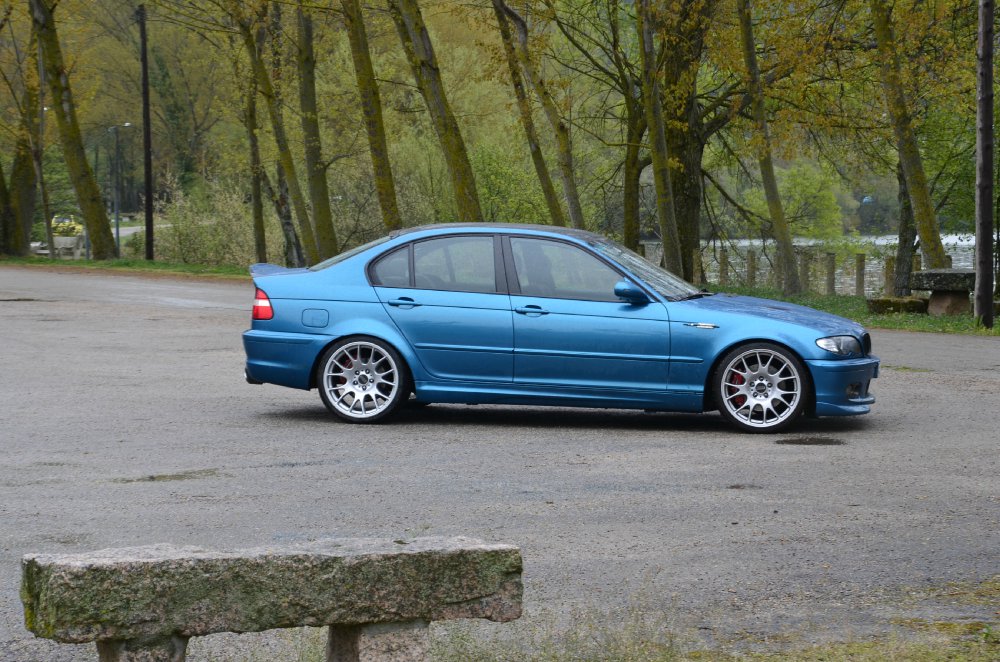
{"points": [[329, 262]]}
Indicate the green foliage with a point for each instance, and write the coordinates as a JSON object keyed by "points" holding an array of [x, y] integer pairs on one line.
{"points": [[508, 188], [809, 196]]}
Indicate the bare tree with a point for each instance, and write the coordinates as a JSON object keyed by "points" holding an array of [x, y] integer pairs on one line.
{"points": [[63, 106], [984, 167], [419, 51], [911, 162], [652, 103], [319, 189], [779, 225], [371, 111], [527, 120], [247, 24], [560, 127]]}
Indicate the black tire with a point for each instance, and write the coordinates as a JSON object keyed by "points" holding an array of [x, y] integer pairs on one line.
{"points": [[362, 379], [761, 387]]}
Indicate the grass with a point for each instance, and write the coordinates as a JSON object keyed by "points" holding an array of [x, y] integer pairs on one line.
{"points": [[976, 642], [130, 266], [642, 633]]}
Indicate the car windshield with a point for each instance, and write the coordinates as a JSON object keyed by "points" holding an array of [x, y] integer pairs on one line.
{"points": [[329, 262], [667, 284]]}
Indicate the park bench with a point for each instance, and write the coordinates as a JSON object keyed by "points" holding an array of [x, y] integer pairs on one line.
{"points": [[377, 597], [949, 289]]}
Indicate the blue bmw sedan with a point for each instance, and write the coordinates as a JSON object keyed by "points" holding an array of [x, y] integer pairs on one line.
{"points": [[539, 315]]}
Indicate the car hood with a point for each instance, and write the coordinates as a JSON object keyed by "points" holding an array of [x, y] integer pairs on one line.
{"points": [[776, 310]]}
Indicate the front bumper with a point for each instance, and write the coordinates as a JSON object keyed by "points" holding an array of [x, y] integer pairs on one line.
{"points": [[842, 386]]}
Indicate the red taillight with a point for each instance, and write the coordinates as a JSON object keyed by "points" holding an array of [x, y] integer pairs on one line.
{"points": [[262, 306]]}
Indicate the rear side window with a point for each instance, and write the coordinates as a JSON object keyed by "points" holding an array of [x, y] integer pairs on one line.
{"points": [[393, 270], [459, 264]]}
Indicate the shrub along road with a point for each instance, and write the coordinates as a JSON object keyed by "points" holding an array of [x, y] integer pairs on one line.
{"points": [[126, 421]]}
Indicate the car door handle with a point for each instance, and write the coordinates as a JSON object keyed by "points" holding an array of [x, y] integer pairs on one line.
{"points": [[406, 302], [531, 310]]}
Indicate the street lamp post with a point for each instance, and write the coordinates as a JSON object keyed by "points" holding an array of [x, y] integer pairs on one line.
{"points": [[116, 194]]}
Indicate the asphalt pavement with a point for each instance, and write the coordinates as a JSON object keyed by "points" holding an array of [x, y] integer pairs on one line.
{"points": [[126, 421]]}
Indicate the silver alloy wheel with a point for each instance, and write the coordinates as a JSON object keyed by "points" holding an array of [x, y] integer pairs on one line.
{"points": [[361, 380], [761, 388]]}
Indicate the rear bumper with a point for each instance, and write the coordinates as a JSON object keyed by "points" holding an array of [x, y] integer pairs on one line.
{"points": [[286, 359], [843, 387]]}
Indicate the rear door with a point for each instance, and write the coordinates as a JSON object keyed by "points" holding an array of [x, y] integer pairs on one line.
{"points": [[444, 295]]}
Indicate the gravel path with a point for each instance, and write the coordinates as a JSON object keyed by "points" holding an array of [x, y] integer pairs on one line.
{"points": [[126, 421]]}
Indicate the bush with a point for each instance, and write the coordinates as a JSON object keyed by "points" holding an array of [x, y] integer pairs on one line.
{"points": [[213, 227]]}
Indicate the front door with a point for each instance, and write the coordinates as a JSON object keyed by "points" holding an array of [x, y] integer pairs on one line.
{"points": [[570, 330]]}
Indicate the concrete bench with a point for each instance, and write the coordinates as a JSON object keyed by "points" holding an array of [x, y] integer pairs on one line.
{"points": [[144, 603], [949, 289]]}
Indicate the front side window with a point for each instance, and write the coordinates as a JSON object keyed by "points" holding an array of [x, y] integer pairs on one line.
{"points": [[460, 264], [557, 270]]}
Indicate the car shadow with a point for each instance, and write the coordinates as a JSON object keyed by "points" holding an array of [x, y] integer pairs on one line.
{"points": [[512, 416]]}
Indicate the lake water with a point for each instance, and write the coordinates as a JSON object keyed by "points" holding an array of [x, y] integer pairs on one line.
{"points": [[961, 248]]}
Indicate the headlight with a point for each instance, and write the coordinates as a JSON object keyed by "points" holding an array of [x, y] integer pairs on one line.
{"points": [[843, 345]]}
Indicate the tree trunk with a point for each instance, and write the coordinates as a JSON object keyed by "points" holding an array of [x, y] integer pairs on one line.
{"points": [[419, 51], [87, 193], [902, 126], [686, 141], [268, 91], [631, 171], [779, 226], [319, 189], [687, 148], [294, 256], [8, 222], [27, 149], [984, 167], [564, 145], [256, 171], [371, 110], [23, 189], [527, 121], [23, 178], [907, 239], [665, 211]]}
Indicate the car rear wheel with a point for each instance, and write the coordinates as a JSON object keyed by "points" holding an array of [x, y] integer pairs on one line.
{"points": [[760, 387], [362, 380]]}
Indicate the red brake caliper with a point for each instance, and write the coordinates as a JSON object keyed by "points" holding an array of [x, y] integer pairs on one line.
{"points": [[737, 378]]}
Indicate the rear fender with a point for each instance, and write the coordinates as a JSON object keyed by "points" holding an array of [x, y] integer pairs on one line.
{"points": [[384, 331]]}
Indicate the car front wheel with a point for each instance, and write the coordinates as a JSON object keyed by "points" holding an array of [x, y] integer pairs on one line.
{"points": [[760, 387], [362, 380]]}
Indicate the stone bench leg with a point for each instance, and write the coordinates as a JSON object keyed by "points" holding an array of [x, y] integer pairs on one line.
{"points": [[387, 642], [169, 649], [949, 302]]}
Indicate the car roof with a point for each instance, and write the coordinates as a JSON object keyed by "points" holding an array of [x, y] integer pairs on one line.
{"points": [[498, 227]]}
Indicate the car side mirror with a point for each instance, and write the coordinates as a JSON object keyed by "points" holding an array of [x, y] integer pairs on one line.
{"points": [[630, 292]]}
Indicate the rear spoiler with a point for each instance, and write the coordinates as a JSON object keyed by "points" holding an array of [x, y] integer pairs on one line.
{"points": [[265, 269]]}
